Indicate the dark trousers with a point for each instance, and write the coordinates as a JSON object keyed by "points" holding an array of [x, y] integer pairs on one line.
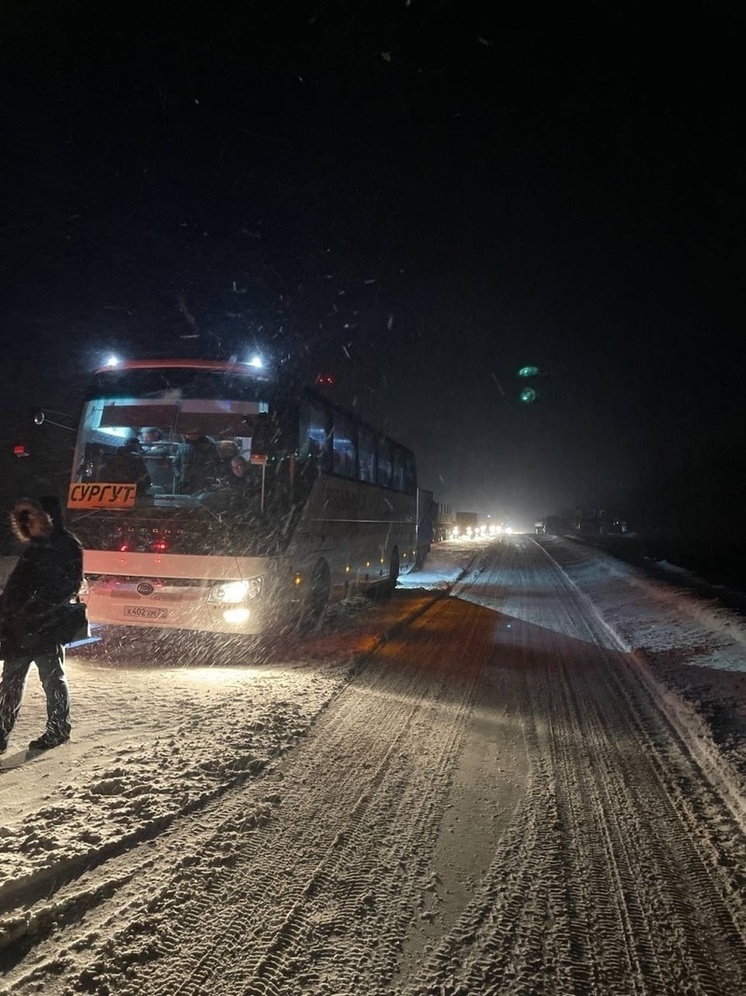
{"points": [[51, 666]]}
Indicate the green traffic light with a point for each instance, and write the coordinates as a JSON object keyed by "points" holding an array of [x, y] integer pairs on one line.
{"points": [[529, 372], [528, 395]]}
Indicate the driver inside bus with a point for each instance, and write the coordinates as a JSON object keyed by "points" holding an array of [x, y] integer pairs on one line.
{"points": [[197, 463], [157, 455], [127, 466]]}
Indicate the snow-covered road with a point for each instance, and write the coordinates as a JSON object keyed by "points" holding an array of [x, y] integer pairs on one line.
{"points": [[497, 791]]}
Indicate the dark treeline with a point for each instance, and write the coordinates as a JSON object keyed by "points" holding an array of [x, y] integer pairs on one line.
{"points": [[688, 509]]}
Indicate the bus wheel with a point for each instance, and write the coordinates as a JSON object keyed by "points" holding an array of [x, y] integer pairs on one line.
{"points": [[387, 588], [317, 596], [394, 568]]}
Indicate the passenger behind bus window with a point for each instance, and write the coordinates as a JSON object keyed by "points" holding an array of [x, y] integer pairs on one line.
{"points": [[228, 450], [153, 443], [126, 465], [197, 463], [246, 478], [239, 468], [240, 493], [367, 467], [241, 482]]}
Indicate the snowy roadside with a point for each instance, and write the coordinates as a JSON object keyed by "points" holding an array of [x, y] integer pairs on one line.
{"points": [[694, 648], [156, 733]]}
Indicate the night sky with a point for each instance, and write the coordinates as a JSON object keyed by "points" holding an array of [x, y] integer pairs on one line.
{"points": [[417, 197]]}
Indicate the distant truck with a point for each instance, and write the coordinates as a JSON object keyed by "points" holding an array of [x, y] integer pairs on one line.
{"points": [[427, 514], [556, 525], [466, 521]]}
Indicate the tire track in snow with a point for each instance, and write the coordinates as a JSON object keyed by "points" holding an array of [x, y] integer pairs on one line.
{"points": [[331, 854], [363, 876], [34, 904], [611, 879], [608, 882], [686, 803]]}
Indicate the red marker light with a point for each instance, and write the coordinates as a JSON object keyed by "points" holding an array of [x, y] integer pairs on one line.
{"points": [[20, 451], [123, 548], [160, 545]]}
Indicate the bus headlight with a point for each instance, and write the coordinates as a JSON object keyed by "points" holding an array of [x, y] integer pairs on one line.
{"points": [[232, 592]]}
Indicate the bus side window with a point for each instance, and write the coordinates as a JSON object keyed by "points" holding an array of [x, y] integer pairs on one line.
{"points": [[343, 446], [384, 463], [366, 451], [398, 475], [410, 474], [314, 441]]}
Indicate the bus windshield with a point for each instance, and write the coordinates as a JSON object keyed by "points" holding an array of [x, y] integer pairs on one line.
{"points": [[133, 451]]}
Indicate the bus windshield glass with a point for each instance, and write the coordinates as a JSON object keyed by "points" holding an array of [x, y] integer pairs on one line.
{"points": [[165, 451]]}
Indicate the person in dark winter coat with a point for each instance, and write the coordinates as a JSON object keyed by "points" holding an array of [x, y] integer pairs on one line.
{"points": [[49, 574], [127, 465], [197, 463]]}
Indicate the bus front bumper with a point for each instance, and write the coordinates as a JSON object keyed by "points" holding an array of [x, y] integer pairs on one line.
{"points": [[191, 610]]}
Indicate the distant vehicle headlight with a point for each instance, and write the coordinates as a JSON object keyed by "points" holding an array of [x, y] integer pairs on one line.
{"points": [[232, 592]]}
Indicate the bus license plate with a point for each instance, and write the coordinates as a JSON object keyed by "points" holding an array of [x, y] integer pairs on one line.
{"points": [[144, 612]]}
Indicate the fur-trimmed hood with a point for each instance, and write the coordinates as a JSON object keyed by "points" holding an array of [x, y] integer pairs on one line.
{"points": [[48, 572], [19, 517], [46, 505]]}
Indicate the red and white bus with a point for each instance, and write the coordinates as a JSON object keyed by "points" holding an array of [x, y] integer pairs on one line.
{"points": [[210, 496]]}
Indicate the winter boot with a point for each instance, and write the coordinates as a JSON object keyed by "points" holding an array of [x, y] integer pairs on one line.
{"points": [[49, 740]]}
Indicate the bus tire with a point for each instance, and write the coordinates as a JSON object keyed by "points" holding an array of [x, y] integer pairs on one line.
{"points": [[317, 596], [394, 567], [386, 589]]}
